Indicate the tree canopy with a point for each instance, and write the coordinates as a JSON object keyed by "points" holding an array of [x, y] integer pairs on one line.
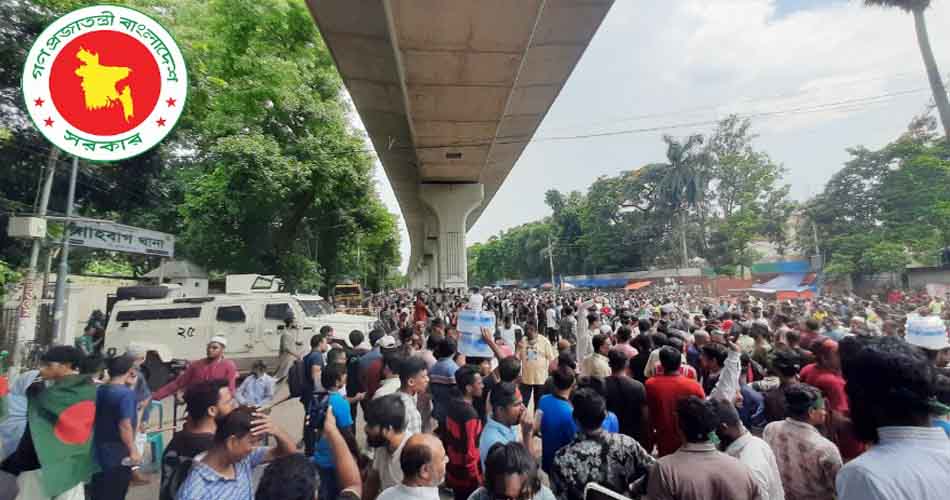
{"points": [[263, 174], [717, 189]]}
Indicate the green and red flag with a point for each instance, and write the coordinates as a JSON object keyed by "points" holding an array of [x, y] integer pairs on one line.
{"points": [[61, 419], [4, 390]]}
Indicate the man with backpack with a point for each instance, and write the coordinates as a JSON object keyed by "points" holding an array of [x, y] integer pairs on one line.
{"points": [[207, 403], [304, 377]]}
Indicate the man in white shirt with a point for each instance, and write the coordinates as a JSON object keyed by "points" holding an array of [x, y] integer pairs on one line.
{"points": [[423, 462], [386, 433], [510, 332], [892, 391], [390, 382], [550, 323], [755, 453], [475, 301]]}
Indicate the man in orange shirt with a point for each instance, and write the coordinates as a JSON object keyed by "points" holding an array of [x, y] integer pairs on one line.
{"points": [[663, 392]]}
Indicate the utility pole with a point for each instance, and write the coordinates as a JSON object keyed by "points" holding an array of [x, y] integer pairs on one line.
{"points": [[26, 325], [551, 260], [814, 232], [60, 300]]}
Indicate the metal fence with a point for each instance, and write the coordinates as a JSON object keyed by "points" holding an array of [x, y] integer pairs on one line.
{"points": [[44, 326]]}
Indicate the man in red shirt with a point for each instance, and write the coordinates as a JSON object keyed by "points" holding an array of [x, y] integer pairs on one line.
{"points": [[421, 311], [663, 392], [825, 374], [809, 334], [463, 428], [210, 368]]}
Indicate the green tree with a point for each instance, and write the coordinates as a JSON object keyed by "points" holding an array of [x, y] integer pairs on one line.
{"points": [[917, 8], [263, 172], [685, 180], [7, 276], [885, 256]]}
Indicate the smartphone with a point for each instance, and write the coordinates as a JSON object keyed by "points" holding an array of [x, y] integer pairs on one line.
{"points": [[318, 410]]}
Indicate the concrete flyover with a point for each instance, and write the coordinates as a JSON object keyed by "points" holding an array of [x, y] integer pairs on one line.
{"points": [[450, 92]]}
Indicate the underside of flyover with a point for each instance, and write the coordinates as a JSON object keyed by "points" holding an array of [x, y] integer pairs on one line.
{"points": [[450, 93]]}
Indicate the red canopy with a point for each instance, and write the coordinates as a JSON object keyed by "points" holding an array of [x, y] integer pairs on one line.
{"points": [[637, 285]]}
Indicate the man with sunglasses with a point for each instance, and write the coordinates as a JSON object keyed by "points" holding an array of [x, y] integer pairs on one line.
{"points": [[212, 367]]}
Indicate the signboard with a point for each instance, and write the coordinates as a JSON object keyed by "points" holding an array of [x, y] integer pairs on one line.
{"points": [[105, 83], [119, 238], [471, 342]]}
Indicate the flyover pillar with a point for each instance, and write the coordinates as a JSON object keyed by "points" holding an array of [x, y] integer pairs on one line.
{"points": [[415, 280], [452, 203], [430, 262]]}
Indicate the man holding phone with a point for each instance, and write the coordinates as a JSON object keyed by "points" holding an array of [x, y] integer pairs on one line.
{"points": [[333, 379]]}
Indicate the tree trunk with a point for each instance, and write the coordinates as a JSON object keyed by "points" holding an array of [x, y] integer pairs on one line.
{"points": [[685, 253], [933, 74]]}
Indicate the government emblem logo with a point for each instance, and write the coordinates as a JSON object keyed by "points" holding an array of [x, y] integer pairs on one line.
{"points": [[105, 83]]}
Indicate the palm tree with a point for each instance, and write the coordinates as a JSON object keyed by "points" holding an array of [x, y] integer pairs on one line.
{"points": [[917, 8], [685, 179]]}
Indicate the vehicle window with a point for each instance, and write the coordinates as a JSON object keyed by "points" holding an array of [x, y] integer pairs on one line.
{"points": [[262, 283], [231, 314], [314, 308], [154, 314], [277, 311]]}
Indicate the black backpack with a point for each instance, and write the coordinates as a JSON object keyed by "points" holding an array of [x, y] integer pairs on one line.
{"points": [[175, 470], [297, 379]]}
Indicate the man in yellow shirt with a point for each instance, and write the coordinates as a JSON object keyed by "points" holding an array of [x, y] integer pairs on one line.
{"points": [[536, 354], [597, 364]]}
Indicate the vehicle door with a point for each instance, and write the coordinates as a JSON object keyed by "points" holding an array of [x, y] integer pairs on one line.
{"points": [[234, 322], [272, 322]]}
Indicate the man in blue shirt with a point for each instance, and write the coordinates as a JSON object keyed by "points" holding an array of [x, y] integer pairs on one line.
{"points": [[113, 439], [224, 473], [557, 419], [258, 388], [508, 410], [333, 379], [442, 377], [312, 366]]}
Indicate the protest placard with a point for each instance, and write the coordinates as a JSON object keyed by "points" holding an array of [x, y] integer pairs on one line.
{"points": [[470, 326]]}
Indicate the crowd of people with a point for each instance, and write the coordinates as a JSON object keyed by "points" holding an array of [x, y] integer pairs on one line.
{"points": [[650, 394]]}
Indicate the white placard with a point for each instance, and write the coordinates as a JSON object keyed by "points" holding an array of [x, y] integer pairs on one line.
{"points": [[470, 324]]}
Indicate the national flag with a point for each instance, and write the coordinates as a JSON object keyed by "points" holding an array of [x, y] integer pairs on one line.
{"points": [[4, 390], [61, 419]]}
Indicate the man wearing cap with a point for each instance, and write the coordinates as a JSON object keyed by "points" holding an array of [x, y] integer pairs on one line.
{"points": [[930, 334], [214, 366], [371, 364], [143, 394]]}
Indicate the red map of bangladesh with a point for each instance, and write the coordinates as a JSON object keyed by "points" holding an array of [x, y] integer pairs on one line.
{"points": [[99, 84]]}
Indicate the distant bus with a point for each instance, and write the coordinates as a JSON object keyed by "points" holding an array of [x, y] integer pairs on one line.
{"points": [[348, 294]]}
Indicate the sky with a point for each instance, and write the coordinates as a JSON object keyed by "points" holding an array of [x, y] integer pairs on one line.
{"points": [[815, 76]]}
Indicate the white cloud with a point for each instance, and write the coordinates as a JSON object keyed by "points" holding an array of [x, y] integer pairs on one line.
{"points": [[684, 61]]}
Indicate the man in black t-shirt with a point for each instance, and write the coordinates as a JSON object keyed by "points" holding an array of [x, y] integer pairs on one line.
{"points": [[207, 403], [627, 398]]}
